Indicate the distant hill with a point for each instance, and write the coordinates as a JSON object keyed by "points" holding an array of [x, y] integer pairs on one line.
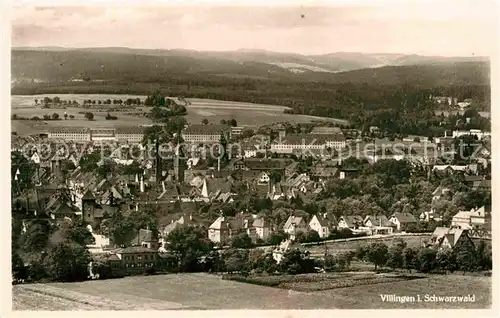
{"points": [[55, 64]]}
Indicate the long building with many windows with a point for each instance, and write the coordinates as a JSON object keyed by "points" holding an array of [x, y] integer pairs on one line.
{"points": [[303, 142], [79, 134], [69, 133], [205, 133]]}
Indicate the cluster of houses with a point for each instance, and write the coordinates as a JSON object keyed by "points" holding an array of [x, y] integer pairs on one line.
{"points": [[452, 101], [189, 184]]}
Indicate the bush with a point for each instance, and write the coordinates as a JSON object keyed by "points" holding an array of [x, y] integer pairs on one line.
{"points": [[89, 116], [241, 241], [150, 271], [310, 236], [427, 260], [296, 262]]}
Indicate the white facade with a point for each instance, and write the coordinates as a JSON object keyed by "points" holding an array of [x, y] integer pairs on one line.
{"points": [[132, 137], [264, 178], [250, 153], [70, 135], [476, 132], [102, 134], [263, 232], [294, 225], [315, 225], [204, 138], [291, 147]]}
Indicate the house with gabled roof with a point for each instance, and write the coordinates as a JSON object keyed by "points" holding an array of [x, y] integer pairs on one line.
{"points": [[35, 158], [262, 228], [402, 221], [450, 169], [378, 224], [284, 247], [295, 224], [427, 216], [222, 230], [324, 173], [440, 192], [145, 238], [352, 222], [482, 185], [452, 238], [323, 224], [478, 220], [184, 220]]}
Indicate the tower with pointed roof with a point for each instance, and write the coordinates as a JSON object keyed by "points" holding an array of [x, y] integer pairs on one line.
{"points": [[88, 206], [204, 190]]}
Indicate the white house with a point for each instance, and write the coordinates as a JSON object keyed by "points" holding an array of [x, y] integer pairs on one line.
{"points": [[262, 228], [35, 158], [426, 216], [471, 219], [403, 220], [284, 246], [352, 222], [439, 192], [218, 230], [293, 225], [101, 242], [263, 178], [322, 224], [377, 224]]}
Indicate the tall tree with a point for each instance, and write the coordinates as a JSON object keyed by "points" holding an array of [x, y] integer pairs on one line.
{"points": [[190, 244], [68, 262], [377, 254]]}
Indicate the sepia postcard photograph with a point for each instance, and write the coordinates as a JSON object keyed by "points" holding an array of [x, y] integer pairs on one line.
{"points": [[223, 156]]}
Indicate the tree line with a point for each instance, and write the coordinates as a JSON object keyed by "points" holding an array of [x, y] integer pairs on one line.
{"points": [[466, 258]]}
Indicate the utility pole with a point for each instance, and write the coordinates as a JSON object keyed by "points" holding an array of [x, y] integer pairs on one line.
{"points": [[326, 249]]}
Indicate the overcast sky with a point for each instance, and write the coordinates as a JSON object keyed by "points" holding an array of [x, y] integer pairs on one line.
{"points": [[441, 27]]}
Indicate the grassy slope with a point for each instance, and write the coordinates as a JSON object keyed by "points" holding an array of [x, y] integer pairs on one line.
{"points": [[210, 292]]}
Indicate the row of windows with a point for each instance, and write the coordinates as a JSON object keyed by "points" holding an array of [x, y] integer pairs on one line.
{"points": [[139, 265], [201, 138], [138, 257], [297, 146]]}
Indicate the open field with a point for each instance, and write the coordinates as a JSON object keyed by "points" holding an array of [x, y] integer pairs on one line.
{"points": [[203, 291], [199, 109], [321, 281]]}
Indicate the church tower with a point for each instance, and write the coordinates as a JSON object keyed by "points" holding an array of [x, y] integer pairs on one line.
{"points": [[88, 207], [179, 166]]}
